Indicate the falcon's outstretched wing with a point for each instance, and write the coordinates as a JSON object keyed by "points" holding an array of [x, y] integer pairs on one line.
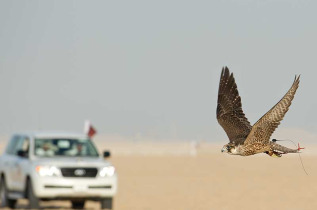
{"points": [[229, 109], [265, 126]]}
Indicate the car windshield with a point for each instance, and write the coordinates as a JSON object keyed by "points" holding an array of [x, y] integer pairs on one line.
{"points": [[64, 147]]}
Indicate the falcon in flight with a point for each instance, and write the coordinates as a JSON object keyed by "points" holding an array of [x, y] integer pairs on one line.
{"points": [[245, 139]]}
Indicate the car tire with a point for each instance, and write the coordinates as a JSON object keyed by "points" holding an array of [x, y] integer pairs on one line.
{"points": [[106, 203], [78, 204], [33, 200], [5, 201]]}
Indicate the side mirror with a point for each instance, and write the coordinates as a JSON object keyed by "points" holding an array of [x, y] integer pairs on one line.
{"points": [[106, 154], [22, 153]]}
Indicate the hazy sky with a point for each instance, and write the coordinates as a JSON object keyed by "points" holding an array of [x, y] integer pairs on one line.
{"points": [[152, 68]]}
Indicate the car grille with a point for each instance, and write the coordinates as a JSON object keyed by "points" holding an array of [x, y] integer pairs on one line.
{"points": [[79, 172]]}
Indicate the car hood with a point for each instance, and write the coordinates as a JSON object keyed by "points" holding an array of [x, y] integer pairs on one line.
{"points": [[72, 162]]}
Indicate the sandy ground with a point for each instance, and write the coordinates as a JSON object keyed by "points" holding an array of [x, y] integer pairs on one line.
{"points": [[172, 177]]}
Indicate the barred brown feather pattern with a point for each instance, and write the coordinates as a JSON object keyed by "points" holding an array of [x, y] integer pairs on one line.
{"points": [[229, 109], [266, 125], [280, 148]]}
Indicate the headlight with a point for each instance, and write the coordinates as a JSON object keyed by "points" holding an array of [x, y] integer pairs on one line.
{"points": [[48, 170], [107, 171]]}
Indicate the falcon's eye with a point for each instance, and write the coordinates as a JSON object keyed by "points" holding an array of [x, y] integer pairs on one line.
{"points": [[228, 147]]}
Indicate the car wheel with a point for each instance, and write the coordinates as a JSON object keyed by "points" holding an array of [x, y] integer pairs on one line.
{"points": [[33, 200], [78, 204], [106, 203], [5, 201]]}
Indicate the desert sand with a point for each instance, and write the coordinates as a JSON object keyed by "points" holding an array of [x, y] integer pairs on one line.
{"points": [[173, 176]]}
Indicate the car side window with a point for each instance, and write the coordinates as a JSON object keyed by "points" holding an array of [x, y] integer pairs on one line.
{"points": [[11, 147], [22, 146]]}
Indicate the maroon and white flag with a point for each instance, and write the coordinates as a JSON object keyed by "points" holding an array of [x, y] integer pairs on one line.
{"points": [[89, 130]]}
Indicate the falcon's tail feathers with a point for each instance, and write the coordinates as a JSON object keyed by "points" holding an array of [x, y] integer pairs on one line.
{"points": [[285, 150]]}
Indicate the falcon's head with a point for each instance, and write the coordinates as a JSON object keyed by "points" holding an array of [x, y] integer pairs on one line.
{"points": [[230, 149]]}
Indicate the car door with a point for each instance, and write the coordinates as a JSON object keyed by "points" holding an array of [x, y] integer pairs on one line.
{"points": [[9, 162], [20, 163]]}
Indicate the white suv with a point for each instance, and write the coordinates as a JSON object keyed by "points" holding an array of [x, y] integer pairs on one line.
{"points": [[55, 166]]}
